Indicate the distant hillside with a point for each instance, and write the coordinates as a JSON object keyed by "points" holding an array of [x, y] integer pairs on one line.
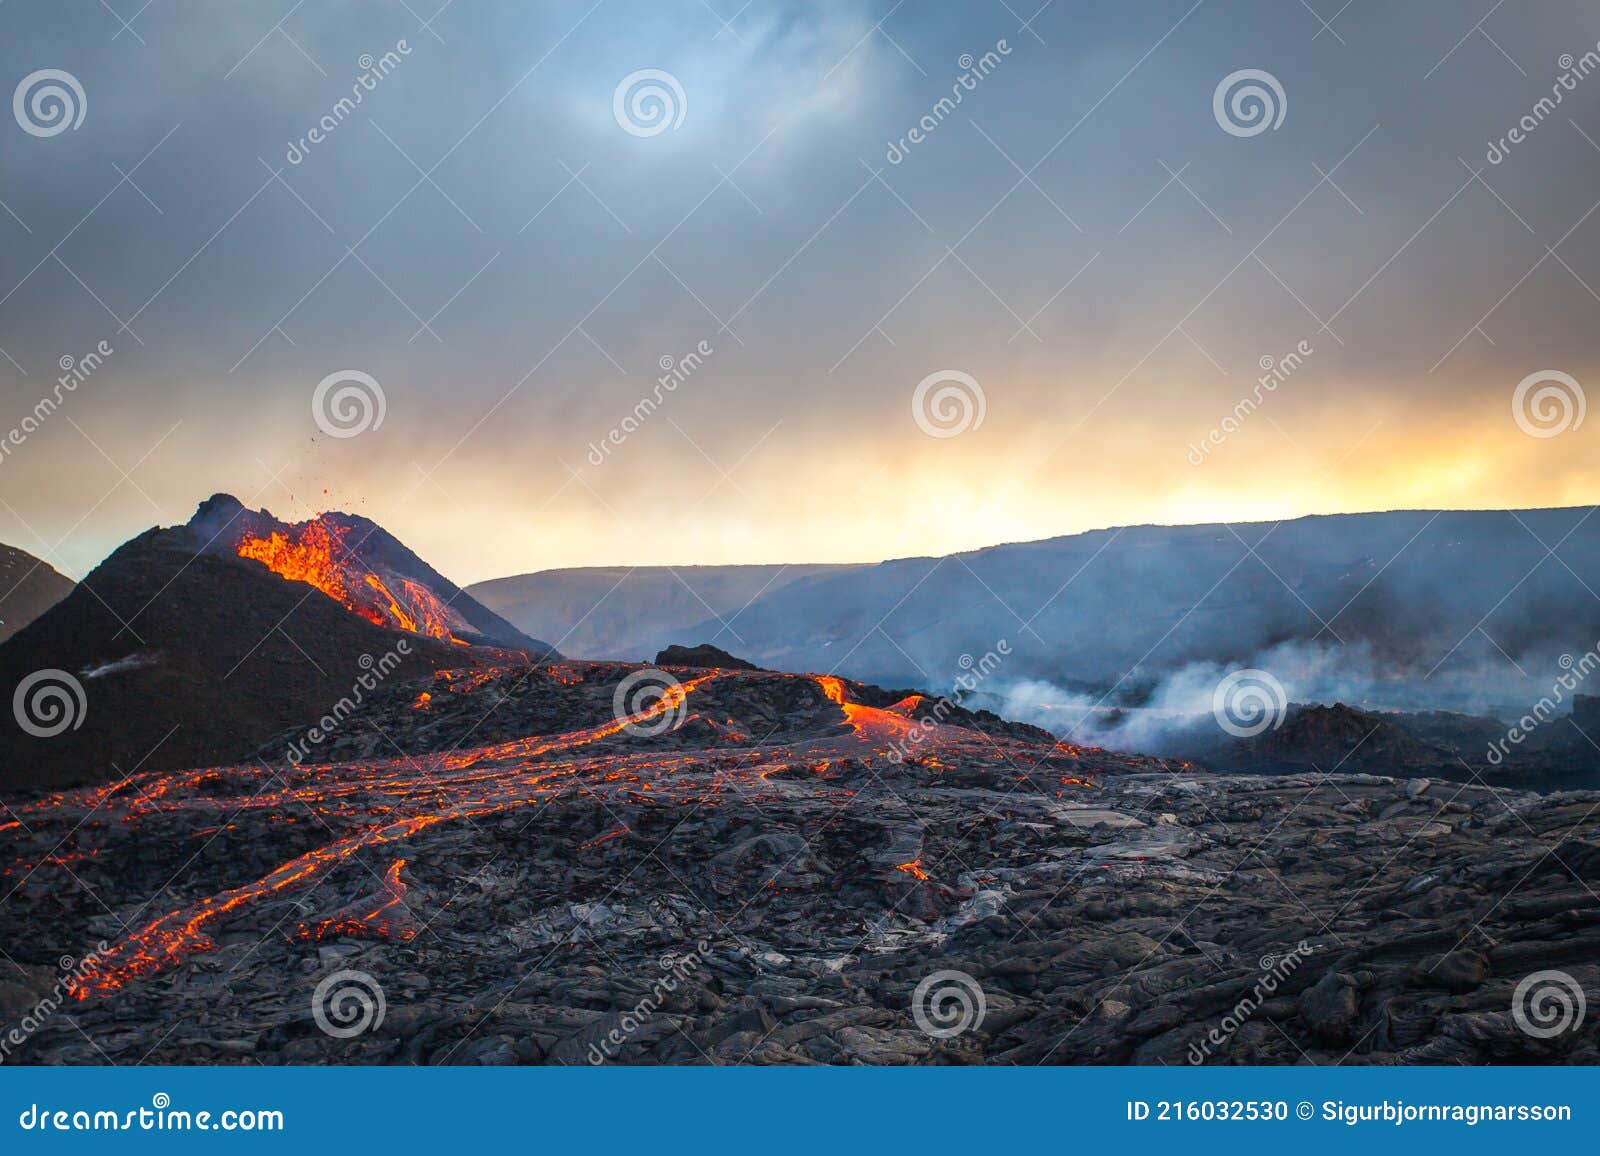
{"points": [[28, 587], [630, 613], [1410, 608]]}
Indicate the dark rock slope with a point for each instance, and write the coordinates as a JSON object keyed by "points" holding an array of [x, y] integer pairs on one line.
{"points": [[184, 658], [28, 587]]}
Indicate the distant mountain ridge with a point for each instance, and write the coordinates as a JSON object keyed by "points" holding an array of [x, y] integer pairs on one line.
{"points": [[1441, 606], [28, 587], [631, 612]]}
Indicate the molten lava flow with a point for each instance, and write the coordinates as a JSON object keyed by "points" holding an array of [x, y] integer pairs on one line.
{"points": [[317, 554], [432, 617], [606, 838], [370, 806], [398, 616], [388, 920], [868, 722], [312, 557]]}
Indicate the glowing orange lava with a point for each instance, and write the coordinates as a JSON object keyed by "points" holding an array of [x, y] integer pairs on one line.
{"points": [[388, 920], [317, 554], [368, 807], [913, 869], [312, 557]]}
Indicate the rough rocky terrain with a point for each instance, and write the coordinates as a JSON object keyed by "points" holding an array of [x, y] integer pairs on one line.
{"points": [[545, 865]]}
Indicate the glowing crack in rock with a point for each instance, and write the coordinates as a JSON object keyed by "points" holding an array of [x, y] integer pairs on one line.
{"points": [[374, 804]]}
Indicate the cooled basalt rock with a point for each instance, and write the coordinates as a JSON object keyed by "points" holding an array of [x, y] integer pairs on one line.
{"points": [[527, 878]]}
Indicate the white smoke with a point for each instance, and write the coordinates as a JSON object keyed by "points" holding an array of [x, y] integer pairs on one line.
{"points": [[1169, 716], [136, 661]]}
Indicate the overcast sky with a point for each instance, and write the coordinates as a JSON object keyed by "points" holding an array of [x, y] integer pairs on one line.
{"points": [[510, 257]]}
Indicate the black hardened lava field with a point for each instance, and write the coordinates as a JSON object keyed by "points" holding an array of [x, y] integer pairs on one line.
{"points": [[756, 867], [1049, 551]]}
